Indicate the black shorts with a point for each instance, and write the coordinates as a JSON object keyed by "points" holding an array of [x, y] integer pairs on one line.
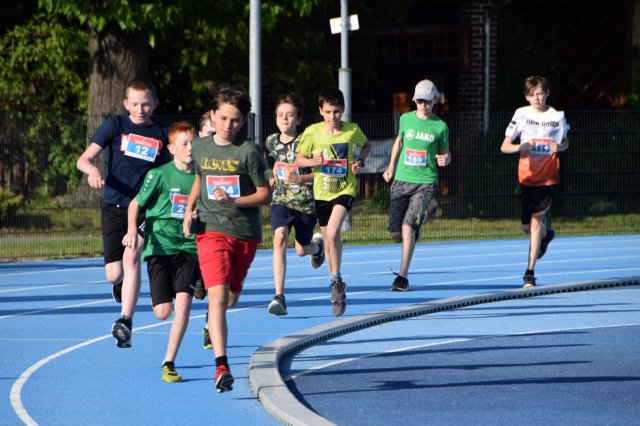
{"points": [[303, 223], [114, 228], [534, 199], [170, 275], [324, 208]]}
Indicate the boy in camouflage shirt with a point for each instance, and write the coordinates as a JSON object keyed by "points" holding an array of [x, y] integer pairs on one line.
{"points": [[293, 203]]}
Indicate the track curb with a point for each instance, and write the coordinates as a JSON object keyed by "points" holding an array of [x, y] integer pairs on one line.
{"points": [[269, 387]]}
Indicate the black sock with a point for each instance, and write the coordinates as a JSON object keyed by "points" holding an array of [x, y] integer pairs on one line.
{"points": [[222, 360], [168, 364], [529, 272]]}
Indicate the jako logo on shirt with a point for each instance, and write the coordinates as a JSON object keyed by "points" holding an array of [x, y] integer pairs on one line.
{"points": [[428, 137]]}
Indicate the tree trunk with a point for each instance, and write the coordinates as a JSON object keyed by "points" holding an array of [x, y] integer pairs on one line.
{"points": [[116, 59]]}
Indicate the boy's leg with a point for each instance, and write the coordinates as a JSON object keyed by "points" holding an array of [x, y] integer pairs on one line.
{"points": [[333, 240], [132, 278], [280, 242], [408, 247], [179, 325], [538, 232]]}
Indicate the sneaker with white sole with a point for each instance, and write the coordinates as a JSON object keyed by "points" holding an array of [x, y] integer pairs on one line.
{"points": [[317, 259], [278, 305], [529, 280], [338, 297], [224, 379], [121, 330]]}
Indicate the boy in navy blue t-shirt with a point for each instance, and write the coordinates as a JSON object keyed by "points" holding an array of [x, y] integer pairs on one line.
{"points": [[133, 145]]}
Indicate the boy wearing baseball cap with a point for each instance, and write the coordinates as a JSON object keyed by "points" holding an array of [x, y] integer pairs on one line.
{"points": [[421, 146]]}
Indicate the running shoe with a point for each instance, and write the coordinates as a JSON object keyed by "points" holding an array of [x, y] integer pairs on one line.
{"points": [[121, 330], [207, 339], [338, 297], [545, 242], [116, 292], [169, 373], [198, 292], [224, 379], [400, 284], [278, 305], [529, 280], [317, 259]]}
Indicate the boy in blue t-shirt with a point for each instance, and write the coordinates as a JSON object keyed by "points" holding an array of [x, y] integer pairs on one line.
{"points": [[133, 145]]}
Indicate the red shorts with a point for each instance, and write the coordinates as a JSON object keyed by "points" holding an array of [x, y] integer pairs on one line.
{"points": [[225, 260]]}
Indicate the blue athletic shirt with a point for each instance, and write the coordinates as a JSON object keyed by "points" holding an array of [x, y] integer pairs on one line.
{"points": [[128, 163]]}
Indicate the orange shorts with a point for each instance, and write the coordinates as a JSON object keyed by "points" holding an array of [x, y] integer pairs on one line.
{"points": [[225, 260]]}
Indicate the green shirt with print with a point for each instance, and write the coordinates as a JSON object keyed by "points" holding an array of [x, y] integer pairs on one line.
{"points": [[164, 194], [422, 139]]}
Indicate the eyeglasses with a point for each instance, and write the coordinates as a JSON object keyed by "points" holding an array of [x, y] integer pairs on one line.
{"points": [[423, 101]]}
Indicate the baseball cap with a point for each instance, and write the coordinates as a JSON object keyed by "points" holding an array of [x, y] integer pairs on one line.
{"points": [[425, 90]]}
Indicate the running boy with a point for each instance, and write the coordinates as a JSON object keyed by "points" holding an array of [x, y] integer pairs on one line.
{"points": [[543, 133], [328, 148], [421, 146], [292, 203], [172, 260], [134, 144], [229, 186]]}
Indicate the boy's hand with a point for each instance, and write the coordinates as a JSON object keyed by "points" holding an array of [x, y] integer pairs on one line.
{"points": [[131, 239], [443, 160], [291, 177], [220, 195], [95, 179], [186, 223], [387, 175], [356, 166], [317, 159]]}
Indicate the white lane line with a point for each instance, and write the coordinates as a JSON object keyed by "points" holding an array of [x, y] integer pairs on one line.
{"points": [[49, 271], [320, 367], [57, 308], [49, 286]]}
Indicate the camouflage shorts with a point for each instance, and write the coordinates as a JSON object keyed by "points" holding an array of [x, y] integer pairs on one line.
{"points": [[409, 202]]}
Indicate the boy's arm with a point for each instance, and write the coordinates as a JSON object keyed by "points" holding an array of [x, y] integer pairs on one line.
{"points": [[86, 166], [559, 147], [191, 205], [131, 237], [261, 197], [508, 147], [358, 163], [314, 161], [395, 151]]}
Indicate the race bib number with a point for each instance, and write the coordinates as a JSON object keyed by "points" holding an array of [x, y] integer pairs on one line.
{"points": [[541, 146], [282, 167], [230, 185], [334, 168], [415, 158], [141, 147], [178, 205]]}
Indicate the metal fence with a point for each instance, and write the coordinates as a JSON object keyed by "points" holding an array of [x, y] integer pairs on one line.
{"points": [[47, 209]]}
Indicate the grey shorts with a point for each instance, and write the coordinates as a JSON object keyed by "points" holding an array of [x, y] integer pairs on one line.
{"points": [[408, 206]]}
